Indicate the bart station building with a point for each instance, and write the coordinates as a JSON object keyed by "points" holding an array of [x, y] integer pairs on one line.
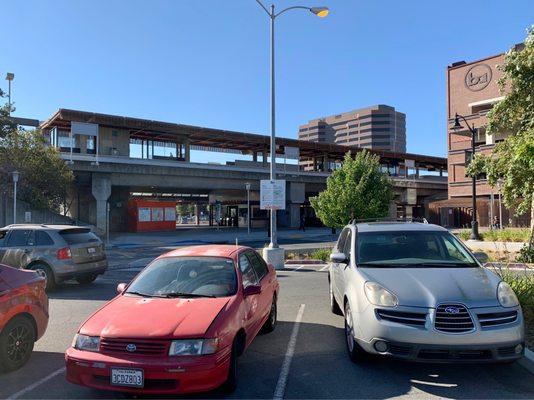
{"points": [[134, 174], [472, 91]]}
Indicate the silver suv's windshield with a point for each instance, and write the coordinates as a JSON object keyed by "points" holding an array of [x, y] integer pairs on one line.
{"points": [[186, 277], [411, 249]]}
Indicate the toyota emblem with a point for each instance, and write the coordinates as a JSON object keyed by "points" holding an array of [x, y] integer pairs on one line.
{"points": [[131, 347]]}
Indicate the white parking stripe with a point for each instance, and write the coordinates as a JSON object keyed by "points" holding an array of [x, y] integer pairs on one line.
{"points": [[284, 371], [36, 384], [324, 268]]}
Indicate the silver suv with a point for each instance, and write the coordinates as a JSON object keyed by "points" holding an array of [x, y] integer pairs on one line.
{"points": [[60, 252], [414, 291]]}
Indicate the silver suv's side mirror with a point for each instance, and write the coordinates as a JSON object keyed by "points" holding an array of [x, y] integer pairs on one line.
{"points": [[338, 258], [481, 257]]}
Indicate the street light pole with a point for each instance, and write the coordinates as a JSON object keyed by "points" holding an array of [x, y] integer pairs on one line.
{"points": [[247, 187], [9, 77], [15, 181], [474, 223], [320, 12]]}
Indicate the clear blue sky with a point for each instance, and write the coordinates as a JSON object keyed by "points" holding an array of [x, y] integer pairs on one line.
{"points": [[206, 62]]}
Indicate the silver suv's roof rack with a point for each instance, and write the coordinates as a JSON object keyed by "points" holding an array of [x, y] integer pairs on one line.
{"points": [[390, 219]]}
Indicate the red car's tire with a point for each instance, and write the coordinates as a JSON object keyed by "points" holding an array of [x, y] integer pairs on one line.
{"points": [[270, 324], [16, 343], [230, 385]]}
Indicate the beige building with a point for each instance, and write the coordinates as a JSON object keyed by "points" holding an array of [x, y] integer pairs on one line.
{"points": [[377, 127]]}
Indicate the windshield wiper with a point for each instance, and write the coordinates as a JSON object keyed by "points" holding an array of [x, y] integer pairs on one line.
{"points": [[139, 294], [182, 294]]}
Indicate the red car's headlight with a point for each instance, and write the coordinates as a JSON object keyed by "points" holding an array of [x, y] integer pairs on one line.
{"points": [[86, 343], [193, 347]]}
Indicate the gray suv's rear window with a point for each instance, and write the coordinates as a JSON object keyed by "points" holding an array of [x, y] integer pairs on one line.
{"points": [[78, 236]]}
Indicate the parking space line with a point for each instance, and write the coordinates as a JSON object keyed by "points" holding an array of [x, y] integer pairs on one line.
{"points": [[284, 371], [36, 384], [324, 268]]}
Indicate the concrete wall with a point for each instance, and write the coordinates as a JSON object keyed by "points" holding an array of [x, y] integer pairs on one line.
{"points": [[37, 216]]}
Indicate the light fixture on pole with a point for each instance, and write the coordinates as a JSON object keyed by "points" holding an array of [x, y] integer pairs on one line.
{"points": [[15, 175], [320, 12], [9, 78], [456, 127], [247, 187]]}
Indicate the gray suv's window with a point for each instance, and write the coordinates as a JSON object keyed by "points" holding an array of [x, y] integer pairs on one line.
{"points": [[341, 240], [347, 246], [78, 236], [3, 235], [42, 238], [18, 237]]}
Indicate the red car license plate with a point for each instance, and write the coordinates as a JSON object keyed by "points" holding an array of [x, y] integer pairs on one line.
{"points": [[127, 377]]}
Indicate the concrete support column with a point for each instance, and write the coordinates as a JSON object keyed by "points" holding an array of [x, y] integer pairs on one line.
{"points": [[187, 151], [197, 214], [255, 156], [101, 190], [325, 163]]}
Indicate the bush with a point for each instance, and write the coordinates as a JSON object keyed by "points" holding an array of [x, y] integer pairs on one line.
{"points": [[499, 235], [321, 254], [526, 254]]}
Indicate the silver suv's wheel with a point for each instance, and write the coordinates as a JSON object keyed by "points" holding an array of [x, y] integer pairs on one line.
{"points": [[334, 307], [356, 353]]}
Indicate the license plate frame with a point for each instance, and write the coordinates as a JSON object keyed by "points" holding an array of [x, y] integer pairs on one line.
{"points": [[135, 372]]}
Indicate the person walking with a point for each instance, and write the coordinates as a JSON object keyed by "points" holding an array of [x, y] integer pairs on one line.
{"points": [[302, 225]]}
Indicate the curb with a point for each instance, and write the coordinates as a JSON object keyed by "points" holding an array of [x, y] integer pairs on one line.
{"points": [[304, 262], [527, 362]]}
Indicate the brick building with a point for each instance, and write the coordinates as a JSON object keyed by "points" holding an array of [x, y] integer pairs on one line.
{"points": [[472, 90]]}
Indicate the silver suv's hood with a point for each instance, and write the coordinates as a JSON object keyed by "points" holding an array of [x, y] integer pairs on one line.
{"points": [[427, 287]]}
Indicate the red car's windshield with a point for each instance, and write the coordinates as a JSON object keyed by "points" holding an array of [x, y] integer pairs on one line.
{"points": [[187, 277]]}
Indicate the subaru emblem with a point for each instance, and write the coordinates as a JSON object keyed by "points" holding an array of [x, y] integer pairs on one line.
{"points": [[452, 310], [131, 347]]}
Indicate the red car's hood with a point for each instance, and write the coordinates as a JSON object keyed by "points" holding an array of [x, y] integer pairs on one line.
{"points": [[136, 317]]}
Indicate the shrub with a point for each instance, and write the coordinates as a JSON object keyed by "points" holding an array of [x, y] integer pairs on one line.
{"points": [[321, 254], [526, 254], [522, 282]]}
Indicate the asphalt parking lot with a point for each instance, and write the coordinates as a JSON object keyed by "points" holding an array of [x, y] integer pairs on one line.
{"points": [[319, 366]]}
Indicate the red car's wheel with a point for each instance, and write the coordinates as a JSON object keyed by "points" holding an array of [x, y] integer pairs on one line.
{"points": [[16, 343], [231, 382]]}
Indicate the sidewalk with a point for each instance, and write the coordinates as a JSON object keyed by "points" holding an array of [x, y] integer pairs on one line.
{"points": [[202, 235]]}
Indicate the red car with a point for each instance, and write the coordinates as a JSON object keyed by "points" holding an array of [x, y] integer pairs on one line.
{"points": [[180, 325], [23, 315]]}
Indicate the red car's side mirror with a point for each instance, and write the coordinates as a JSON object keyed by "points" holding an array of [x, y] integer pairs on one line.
{"points": [[251, 290], [121, 287]]}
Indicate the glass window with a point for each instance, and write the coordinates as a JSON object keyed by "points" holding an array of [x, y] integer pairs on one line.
{"points": [[78, 236], [258, 264], [3, 235], [347, 249], [412, 248], [341, 241], [18, 237], [186, 277], [42, 238], [247, 271]]}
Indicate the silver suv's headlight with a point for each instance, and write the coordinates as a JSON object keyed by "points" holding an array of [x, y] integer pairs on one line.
{"points": [[379, 296], [194, 347], [506, 295], [87, 343]]}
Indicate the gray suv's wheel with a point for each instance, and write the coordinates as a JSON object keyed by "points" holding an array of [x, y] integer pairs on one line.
{"points": [[45, 271]]}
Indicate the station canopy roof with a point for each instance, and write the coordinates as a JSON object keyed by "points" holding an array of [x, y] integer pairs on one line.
{"points": [[224, 140]]}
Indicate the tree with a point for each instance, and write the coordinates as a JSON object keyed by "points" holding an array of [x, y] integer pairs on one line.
{"points": [[511, 164], [44, 175], [358, 190]]}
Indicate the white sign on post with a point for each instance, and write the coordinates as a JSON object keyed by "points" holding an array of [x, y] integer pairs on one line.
{"points": [[273, 194]]}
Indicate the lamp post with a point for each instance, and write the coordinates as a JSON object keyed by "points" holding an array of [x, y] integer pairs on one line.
{"points": [[457, 126], [247, 187], [9, 77], [15, 175], [320, 12]]}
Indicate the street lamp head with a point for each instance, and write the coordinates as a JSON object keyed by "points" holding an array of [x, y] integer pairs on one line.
{"points": [[321, 12], [457, 126], [10, 76], [15, 176]]}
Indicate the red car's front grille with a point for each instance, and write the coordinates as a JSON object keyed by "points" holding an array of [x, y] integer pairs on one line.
{"points": [[134, 347]]}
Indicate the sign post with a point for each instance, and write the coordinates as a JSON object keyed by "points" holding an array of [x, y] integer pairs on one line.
{"points": [[273, 198]]}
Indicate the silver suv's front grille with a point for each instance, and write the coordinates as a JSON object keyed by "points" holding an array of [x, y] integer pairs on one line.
{"points": [[453, 318], [498, 318]]}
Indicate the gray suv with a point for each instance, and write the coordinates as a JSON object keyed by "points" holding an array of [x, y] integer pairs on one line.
{"points": [[414, 291], [60, 252]]}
